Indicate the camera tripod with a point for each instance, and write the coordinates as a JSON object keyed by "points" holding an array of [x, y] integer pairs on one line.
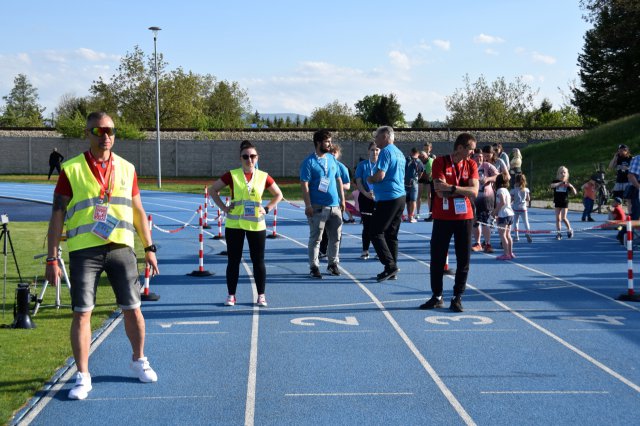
{"points": [[40, 298], [5, 236]]}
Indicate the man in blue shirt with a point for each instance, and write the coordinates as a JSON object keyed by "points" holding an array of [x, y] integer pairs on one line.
{"points": [[388, 187], [324, 202]]}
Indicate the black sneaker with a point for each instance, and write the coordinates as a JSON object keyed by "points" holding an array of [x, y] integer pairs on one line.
{"points": [[558, 236], [432, 303], [333, 269], [322, 255], [393, 278], [315, 272], [456, 304], [590, 219], [570, 233], [428, 219], [386, 274]]}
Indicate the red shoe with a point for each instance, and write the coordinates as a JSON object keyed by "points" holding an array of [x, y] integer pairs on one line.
{"points": [[488, 248]]}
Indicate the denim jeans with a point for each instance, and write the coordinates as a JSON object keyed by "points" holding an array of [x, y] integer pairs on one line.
{"points": [[588, 207]]}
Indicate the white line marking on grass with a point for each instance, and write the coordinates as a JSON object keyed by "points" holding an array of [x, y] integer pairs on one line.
{"points": [[352, 394], [575, 392], [412, 347]]}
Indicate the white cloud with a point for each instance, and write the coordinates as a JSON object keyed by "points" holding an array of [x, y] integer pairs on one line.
{"points": [[442, 44], [24, 57], [546, 59], [400, 60], [424, 45], [91, 55], [528, 78], [520, 50], [491, 52], [487, 39]]}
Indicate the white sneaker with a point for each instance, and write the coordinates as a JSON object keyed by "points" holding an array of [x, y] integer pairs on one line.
{"points": [[231, 300], [413, 220], [364, 255], [143, 370], [262, 301], [82, 387]]}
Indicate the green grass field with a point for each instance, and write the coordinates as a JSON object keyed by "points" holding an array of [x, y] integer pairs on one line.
{"points": [[29, 358]]}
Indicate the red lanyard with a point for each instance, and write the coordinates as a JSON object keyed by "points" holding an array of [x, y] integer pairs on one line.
{"points": [[105, 186], [455, 171]]}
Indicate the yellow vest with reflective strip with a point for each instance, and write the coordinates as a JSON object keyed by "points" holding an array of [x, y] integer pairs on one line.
{"points": [[86, 195], [236, 218]]}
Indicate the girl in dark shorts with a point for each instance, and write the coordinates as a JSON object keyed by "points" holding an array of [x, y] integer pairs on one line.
{"points": [[561, 188]]}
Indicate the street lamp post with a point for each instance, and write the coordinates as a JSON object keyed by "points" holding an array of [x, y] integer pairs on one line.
{"points": [[155, 58]]}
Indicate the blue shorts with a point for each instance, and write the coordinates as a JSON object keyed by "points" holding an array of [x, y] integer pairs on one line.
{"points": [[412, 193]]}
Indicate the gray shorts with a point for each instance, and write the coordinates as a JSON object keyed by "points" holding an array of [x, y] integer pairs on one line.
{"points": [[118, 261]]}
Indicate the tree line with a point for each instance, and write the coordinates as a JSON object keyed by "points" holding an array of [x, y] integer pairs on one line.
{"points": [[608, 89]]}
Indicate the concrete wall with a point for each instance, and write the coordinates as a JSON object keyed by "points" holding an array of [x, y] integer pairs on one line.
{"points": [[279, 156]]}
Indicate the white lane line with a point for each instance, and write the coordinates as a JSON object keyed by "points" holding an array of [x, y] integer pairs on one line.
{"points": [[467, 330], [150, 398], [352, 394], [250, 406], [412, 347], [186, 333], [42, 402], [327, 331], [604, 329], [514, 392], [563, 342]]}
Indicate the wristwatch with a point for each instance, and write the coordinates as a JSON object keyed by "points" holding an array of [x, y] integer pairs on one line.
{"points": [[453, 189], [266, 210], [152, 248]]}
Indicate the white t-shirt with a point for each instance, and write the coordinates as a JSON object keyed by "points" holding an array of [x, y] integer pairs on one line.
{"points": [[505, 210], [519, 197]]}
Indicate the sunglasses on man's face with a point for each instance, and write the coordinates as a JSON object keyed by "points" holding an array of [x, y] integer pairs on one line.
{"points": [[101, 131], [247, 156]]}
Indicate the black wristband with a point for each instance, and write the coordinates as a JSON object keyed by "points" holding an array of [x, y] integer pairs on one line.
{"points": [[266, 210], [453, 189], [51, 259], [152, 248]]}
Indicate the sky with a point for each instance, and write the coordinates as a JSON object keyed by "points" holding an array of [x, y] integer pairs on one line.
{"points": [[295, 56]]}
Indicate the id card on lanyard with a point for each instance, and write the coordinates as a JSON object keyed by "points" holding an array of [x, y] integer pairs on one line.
{"points": [[324, 180], [101, 210], [249, 206]]}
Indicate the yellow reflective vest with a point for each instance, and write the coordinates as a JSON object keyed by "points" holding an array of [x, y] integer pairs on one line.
{"points": [[86, 195], [241, 197]]}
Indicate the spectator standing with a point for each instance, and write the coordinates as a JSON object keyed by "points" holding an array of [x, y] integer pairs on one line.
{"points": [[55, 160], [388, 187], [521, 197], [245, 218], [455, 180], [588, 200], [98, 199], [426, 182], [516, 162], [484, 202], [366, 198], [561, 188], [504, 214], [621, 162], [336, 151], [324, 202], [414, 169]]}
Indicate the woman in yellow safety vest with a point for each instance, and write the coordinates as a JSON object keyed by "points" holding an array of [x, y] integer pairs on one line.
{"points": [[246, 217]]}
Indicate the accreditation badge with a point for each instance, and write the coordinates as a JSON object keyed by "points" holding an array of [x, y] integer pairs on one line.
{"points": [[460, 205], [249, 208], [104, 229], [324, 184], [100, 213]]}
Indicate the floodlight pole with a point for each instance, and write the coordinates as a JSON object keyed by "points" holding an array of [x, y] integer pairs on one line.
{"points": [[155, 58]]}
